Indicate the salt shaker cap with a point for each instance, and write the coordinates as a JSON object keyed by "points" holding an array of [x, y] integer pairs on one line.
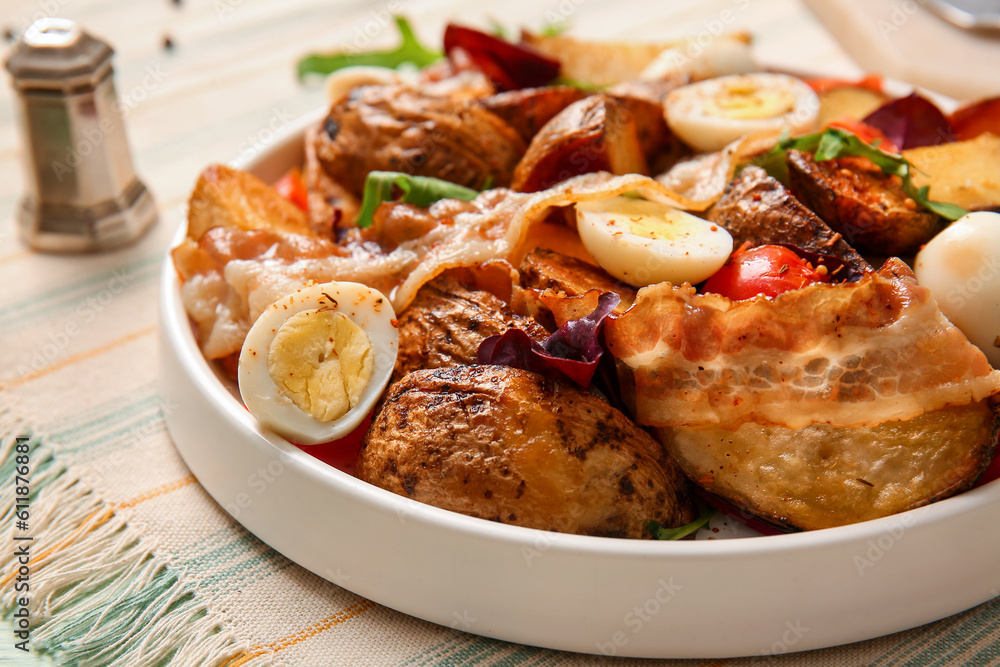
{"points": [[55, 54]]}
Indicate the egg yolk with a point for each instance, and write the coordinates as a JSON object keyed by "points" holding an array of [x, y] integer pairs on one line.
{"points": [[663, 226], [321, 361], [746, 101]]}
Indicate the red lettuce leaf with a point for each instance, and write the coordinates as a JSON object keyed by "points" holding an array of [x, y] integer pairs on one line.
{"points": [[911, 122], [572, 353], [509, 66]]}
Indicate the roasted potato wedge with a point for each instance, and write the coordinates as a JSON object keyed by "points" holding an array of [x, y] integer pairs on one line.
{"points": [[848, 102], [598, 63], [547, 270], [868, 207], [756, 208], [528, 110], [822, 476], [396, 129], [966, 173], [226, 197], [446, 323], [604, 63], [595, 134], [507, 445]]}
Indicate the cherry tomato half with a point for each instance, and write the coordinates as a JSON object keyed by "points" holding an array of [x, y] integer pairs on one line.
{"points": [[293, 188], [769, 270]]}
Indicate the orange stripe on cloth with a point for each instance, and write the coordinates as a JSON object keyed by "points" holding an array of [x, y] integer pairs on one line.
{"points": [[311, 631], [15, 256], [158, 491], [77, 358]]}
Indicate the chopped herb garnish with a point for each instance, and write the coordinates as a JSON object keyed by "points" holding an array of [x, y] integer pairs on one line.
{"points": [[835, 142], [422, 191], [410, 50], [661, 533]]}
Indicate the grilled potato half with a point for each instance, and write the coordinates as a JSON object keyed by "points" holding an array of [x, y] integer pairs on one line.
{"points": [[868, 207], [510, 446], [822, 476]]}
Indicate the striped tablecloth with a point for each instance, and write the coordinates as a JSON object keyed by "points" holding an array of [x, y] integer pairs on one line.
{"points": [[132, 563]]}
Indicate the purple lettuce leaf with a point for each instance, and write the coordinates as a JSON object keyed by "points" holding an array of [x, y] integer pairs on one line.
{"points": [[572, 353], [911, 122]]}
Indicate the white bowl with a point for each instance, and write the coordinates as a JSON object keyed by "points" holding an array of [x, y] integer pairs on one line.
{"points": [[690, 599]]}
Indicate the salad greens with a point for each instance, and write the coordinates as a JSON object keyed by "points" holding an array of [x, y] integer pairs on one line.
{"points": [[410, 50], [659, 532], [419, 190], [834, 142]]}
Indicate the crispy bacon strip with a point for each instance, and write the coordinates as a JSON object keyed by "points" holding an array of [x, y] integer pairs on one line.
{"points": [[854, 354]]}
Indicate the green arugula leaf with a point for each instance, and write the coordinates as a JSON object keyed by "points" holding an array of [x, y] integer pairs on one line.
{"points": [[835, 142], [499, 30], [554, 28], [419, 190], [661, 533], [410, 50], [576, 83]]}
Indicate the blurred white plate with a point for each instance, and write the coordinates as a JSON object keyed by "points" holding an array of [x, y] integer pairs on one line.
{"points": [[690, 599]]}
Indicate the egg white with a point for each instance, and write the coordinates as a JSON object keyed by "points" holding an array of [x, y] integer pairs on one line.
{"points": [[961, 268], [366, 307], [710, 114], [644, 242]]}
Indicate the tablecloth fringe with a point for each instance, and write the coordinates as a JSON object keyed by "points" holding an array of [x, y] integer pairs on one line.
{"points": [[98, 593]]}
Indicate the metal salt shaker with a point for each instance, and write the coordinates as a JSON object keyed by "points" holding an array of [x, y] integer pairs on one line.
{"points": [[82, 193]]}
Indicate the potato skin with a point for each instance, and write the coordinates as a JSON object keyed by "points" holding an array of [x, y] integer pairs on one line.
{"points": [[868, 207], [759, 209], [822, 476], [598, 133], [507, 445], [447, 322], [529, 109]]}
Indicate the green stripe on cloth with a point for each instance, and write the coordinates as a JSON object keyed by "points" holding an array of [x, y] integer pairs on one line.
{"points": [[98, 593], [45, 304], [80, 424], [464, 650], [969, 638]]}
